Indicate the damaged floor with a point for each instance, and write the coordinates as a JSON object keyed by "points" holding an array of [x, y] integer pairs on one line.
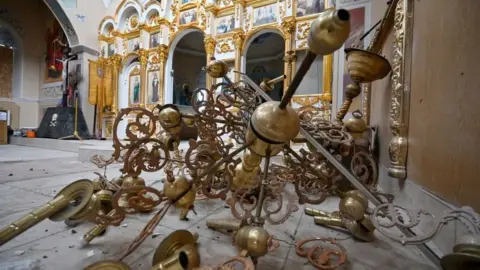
{"points": [[29, 177]]}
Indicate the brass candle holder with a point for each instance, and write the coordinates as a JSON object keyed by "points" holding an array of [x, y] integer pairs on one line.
{"points": [[68, 203], [177, 251], [267, 85], [466, 254], [352, 216]]}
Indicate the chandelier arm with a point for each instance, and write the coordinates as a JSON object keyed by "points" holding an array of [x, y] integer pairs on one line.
{"points": [[344, 171], [223, 160]]}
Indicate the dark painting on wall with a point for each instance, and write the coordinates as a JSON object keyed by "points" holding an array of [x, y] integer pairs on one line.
{"points": [[308, 7], [56, 41]]}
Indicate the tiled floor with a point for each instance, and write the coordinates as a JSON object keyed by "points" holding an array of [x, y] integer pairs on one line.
{"points": [[30, 177]]}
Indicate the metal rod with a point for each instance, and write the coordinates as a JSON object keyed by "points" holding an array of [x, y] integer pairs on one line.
{"points": [[302, 70], [261, 196], [215, 120], [424, 248], [277, 80], [220, 162], [370, 30]]}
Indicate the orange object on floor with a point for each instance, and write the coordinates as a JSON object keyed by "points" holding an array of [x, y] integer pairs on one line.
{"points": [[31, 134]]}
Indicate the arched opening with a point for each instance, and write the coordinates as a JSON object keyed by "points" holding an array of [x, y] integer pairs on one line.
{"points": [[184, 69], [10, 62], [264, 60], [127, 85]]}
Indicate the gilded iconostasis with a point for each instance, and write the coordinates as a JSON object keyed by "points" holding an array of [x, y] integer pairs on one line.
{"points": [[150, 46]]}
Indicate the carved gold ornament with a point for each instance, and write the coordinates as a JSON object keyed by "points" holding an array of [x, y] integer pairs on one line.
{"points": [[399, 110], [302, 30], [223, 46], [288, 25], [303, 45], [209, 45], [307, 100], [133, 22]]}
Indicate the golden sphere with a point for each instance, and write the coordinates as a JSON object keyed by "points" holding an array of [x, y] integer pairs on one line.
{"points": [[170, 119], [253, 239], [104, 195], [217, 68], [352, 90], [173, 189], [275, 124], [354, 204], [356, 124]]}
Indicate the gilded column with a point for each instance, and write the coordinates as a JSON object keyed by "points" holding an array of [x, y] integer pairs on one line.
{"points": [[143, 75], [116, 61], [163, 55], [327, 73], [238, 39], [288, 27], [101, 96], [210, 50], [327, 78]]}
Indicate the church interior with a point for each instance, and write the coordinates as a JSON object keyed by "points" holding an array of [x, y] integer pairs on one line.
{"points": [[239, 134]]}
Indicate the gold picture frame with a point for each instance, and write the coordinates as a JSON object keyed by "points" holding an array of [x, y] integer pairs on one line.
{"points": [[153, 87], [271, 18], [188, 17], [134, 88]]}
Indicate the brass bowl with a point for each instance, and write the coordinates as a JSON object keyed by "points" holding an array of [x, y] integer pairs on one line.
{"points": [[365, 66]]}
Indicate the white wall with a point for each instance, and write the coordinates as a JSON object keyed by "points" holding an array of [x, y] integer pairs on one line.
{"points": [[85, 19]]}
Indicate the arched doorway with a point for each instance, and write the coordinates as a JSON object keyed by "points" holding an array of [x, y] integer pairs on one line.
{"points": [[11, 64], [264, 59], [183, 70], [129, 77]]}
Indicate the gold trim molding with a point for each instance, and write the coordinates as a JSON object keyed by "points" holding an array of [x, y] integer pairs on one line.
{"points": [[400, 81]]}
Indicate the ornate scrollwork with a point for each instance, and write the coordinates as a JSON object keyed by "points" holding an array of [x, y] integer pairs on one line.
{"points": [[388, 215], [136, 199], [332, 255], [149, 155]]}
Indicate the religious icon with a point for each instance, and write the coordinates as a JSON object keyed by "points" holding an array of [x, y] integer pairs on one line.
{"points": [[188, 16], [111, 49], [153, 86], [56, 41], [225, 24], [307, 7], [154, 40], [265, 14], [133, 44], [135, 89]]}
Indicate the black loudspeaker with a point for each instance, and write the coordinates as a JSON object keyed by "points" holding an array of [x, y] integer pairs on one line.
{"points": [[59, 122]]}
